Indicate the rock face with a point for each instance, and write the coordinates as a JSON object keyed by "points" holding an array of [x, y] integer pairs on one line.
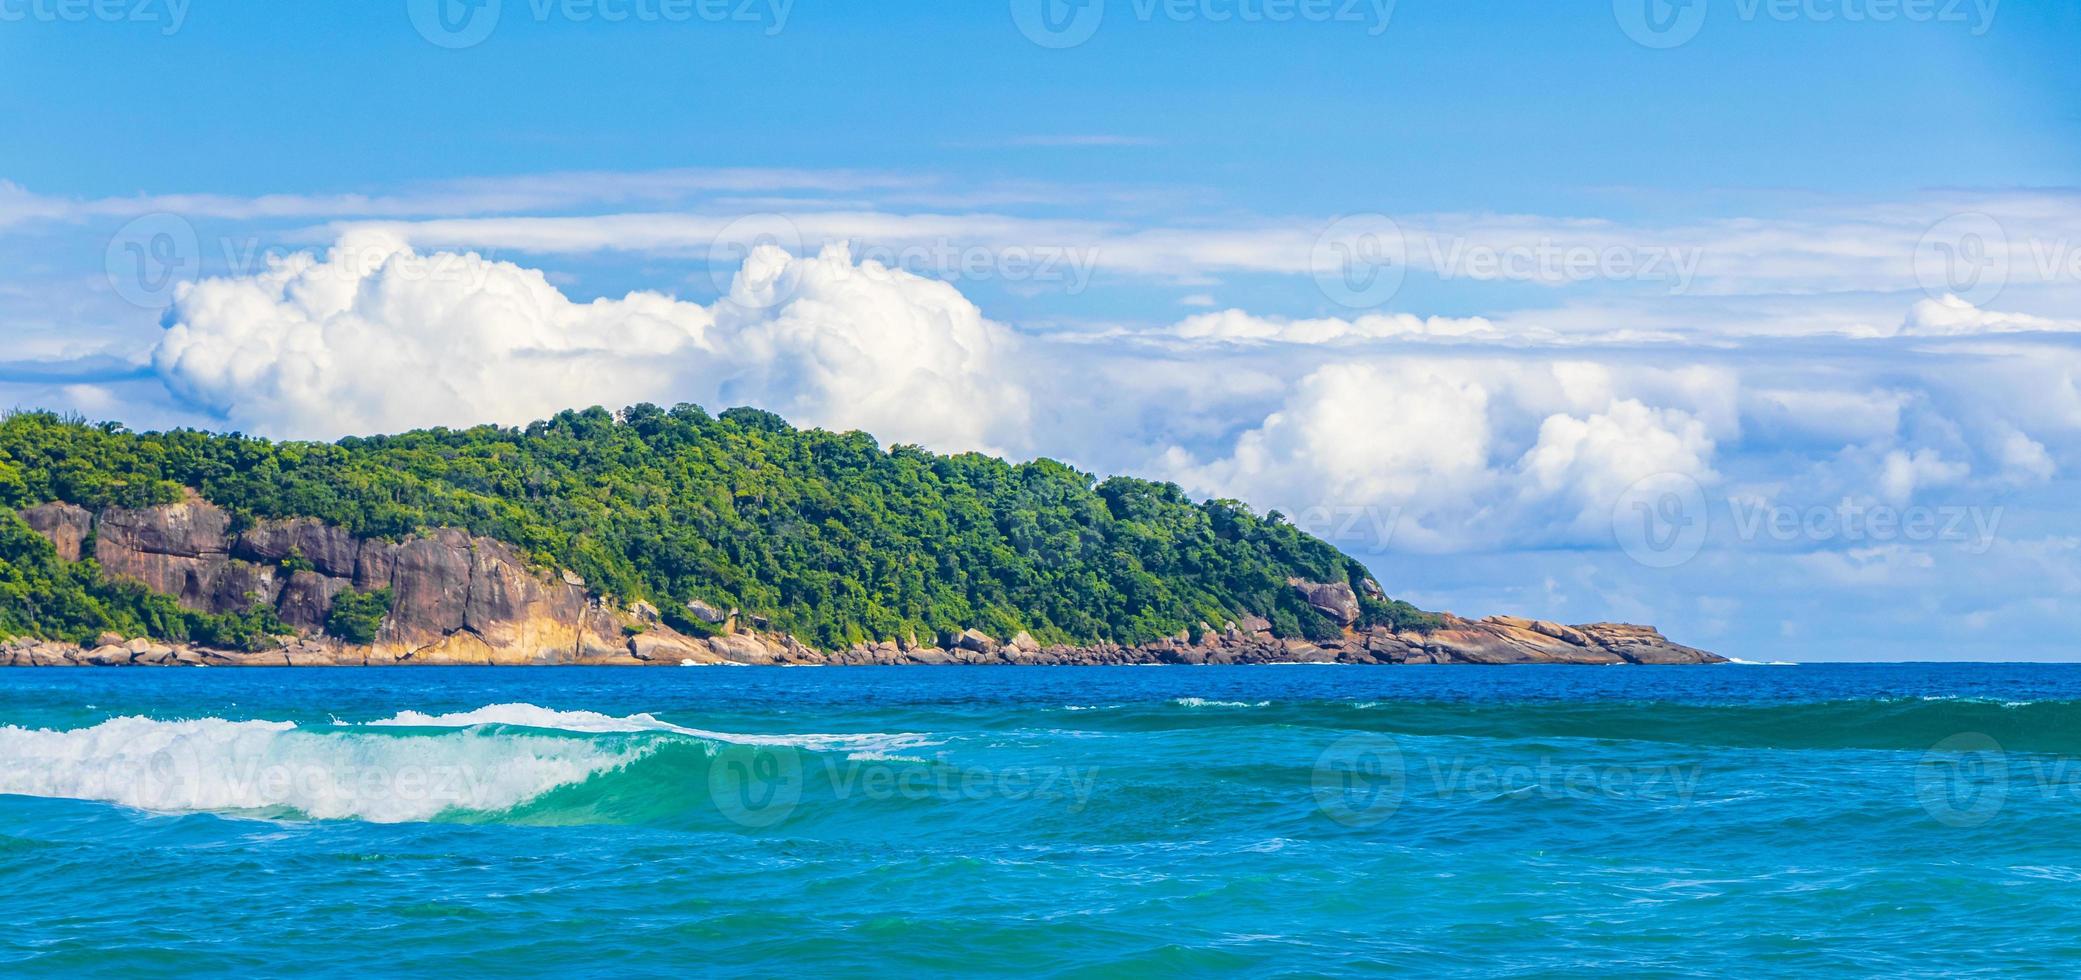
{"points": [[65, 524], [458, 599], [1335, 600], [454, 598]]}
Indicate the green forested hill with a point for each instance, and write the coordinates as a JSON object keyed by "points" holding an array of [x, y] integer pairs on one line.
{"points": [[826, 534]]}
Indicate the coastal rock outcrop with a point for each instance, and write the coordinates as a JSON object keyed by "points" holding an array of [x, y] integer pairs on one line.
{"points": [[461, 599], [1332, 599]]}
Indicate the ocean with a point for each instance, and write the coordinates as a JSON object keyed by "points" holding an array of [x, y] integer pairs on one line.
{"points": [[1077, 822]]}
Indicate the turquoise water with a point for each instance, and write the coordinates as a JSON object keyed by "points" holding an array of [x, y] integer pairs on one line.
{"points": [[1068, 822]]}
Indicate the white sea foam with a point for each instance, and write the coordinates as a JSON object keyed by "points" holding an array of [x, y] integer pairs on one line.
{"points": [[379, 771], [1204, 703], [525, 715], [211, 764], [1737, 661]]}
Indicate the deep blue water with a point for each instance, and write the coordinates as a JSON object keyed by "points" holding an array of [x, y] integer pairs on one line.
{"points": [[1888, 819]]}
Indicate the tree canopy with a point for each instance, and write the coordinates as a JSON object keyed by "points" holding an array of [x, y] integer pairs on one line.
{"points": [[825, 534]]}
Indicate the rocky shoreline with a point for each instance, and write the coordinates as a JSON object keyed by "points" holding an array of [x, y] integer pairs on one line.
{"points": [[1496, 640], [464, 600]]}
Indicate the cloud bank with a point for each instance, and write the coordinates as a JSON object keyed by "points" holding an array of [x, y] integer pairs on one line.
{"points": [[375, 337]]}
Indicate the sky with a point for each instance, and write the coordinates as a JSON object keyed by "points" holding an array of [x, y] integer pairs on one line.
{"points": [[1757, 320]]}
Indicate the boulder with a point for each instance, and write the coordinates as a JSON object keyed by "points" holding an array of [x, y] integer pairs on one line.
{"points": [[740, 648], [668, 647], [706, 613], [975, 641], [1332, 599]]}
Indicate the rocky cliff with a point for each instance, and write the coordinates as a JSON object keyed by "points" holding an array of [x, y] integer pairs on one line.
{"points": [[459, 599]]}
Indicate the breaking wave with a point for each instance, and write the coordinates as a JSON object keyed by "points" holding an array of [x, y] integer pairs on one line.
{"points": [[412, 766]]}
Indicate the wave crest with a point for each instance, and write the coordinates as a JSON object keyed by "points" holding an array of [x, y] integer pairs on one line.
{"points": [[212, 764]]}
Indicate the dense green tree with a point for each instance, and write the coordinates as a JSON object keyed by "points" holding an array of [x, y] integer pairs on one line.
{"points": [[356, 616], [824, 534]]}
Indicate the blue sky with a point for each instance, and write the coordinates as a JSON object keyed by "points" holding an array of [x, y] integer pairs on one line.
{"points": [[1776, 267]]}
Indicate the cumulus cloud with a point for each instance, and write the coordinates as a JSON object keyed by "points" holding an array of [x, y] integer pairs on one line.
{"points": [[377, 337], [1356, 435], [1430, 442], [1586, 464]]}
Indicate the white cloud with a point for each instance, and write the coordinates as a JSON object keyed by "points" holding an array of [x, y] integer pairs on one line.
{"points": [[1951, 316], [2023, 460], [1903, 472], [1428, 440], [1589, 463], [376, 337], [1876, 566], [1239, 326]]}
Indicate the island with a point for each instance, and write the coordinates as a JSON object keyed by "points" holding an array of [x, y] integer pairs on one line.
{"points": [[673, 537]]}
